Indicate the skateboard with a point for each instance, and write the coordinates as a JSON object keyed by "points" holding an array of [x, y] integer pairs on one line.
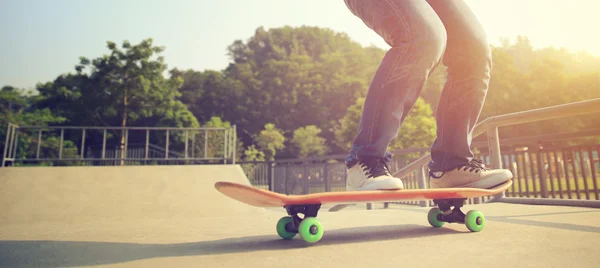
{"points": [[448, 202]]}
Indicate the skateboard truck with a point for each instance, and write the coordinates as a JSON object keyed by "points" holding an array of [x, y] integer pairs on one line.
{"points": [[308, 227], [448, 214], [448, 210], [306, 210]]}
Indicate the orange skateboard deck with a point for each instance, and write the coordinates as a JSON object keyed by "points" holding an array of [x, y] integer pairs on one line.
{"points": [[448, 201], [263, 198]]}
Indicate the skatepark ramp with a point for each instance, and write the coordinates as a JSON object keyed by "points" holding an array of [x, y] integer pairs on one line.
{"points": [[130, 193]]}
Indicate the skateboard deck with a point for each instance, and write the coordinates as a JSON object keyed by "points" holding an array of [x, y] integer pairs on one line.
{"points": [[263, 198], [310, 229]]}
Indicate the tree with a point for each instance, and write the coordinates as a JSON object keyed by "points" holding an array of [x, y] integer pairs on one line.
{"points": [[253, 154], [133, 82], [295, 77], [270, 140], [18, 107], [204, 93], [124, 88], [307, 142], [348, 126], [417, 129]]}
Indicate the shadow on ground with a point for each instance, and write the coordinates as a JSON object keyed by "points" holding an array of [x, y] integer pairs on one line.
{"points": [[75, 253], [519, 219]]}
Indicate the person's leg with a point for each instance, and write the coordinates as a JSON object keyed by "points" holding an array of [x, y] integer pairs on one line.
{"points": [[417, 39], [469, 61]]}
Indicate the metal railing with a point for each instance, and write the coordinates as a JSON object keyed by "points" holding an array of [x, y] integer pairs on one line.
{"points": [[314, 174], [544, 180], [68, 145], [568, 172]]}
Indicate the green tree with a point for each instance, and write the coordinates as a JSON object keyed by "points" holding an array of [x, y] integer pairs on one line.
{"points": [[18, 107], [132, 80], [204, 93], [253, 154], [417, 129], [270, 140], [294, 77], [348, 126], [123, 88], [307, 142]]}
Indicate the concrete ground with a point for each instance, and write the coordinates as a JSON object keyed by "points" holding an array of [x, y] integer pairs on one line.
{"points": [[172, 216]]}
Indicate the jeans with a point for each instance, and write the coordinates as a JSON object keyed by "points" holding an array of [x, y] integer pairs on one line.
{"points": [[422, 34]]}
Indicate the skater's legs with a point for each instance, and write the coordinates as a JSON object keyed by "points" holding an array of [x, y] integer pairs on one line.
{"points": [[469, 62], [418, 39]]}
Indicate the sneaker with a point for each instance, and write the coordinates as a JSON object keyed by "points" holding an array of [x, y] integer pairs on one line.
{"points": [[371, 175], [472, 175]]}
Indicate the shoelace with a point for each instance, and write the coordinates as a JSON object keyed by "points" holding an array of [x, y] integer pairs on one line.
{"points": [[375, 166], [475, 165]]}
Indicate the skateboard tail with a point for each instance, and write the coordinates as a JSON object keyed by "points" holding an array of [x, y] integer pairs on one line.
{"points": [[249, 195]]}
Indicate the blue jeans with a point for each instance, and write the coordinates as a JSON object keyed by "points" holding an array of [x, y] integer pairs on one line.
{"points": [[422, 34]]}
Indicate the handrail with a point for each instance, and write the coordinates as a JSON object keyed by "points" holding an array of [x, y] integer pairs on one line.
{"points": [[492, 123], [525, 140], [551, 112]]}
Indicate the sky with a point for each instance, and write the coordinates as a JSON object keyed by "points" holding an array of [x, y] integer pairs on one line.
{"points": [[42, 39]]}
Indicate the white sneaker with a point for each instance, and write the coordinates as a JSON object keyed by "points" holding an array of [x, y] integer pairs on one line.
{"points": [[371, 175], [472, 175]]}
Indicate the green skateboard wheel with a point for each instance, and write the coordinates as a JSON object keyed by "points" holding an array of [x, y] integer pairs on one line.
{"points": [[281, 231], [310, 230], [474, 220], [432, 217]]}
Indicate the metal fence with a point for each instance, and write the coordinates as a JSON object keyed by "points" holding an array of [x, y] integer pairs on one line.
{"points": [[312, 175], [66, 145], [569, 172]]}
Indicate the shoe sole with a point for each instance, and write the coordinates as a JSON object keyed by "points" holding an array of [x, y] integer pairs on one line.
{"points": [[484, 184], [387, 184]]}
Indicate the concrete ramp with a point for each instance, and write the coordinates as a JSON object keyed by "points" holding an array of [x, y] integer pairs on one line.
{"points": [[130, 193]]}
